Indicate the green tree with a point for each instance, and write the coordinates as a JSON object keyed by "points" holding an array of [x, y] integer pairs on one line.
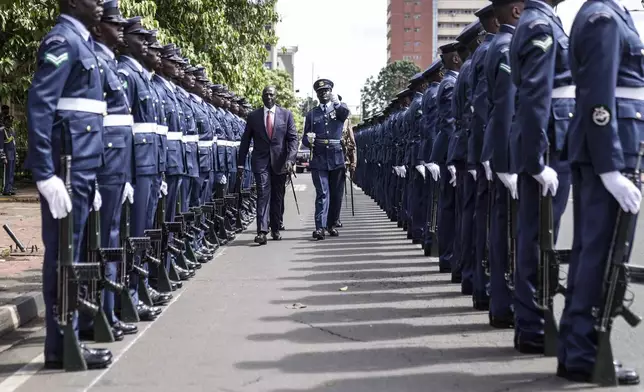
{"points": [[307, 104], [285, 94], [379, 91]]}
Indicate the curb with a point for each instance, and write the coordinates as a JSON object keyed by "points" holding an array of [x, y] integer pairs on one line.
{"points": [[19, 199], [23, 309]]}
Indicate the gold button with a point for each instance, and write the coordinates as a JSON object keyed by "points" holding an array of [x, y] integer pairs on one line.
{"points": [[104, 95], [147, 96], [104, 114], [109, 145], [118, 89], [638, 115], [155, 119], [570, 115], [92, 67], [144, 141], [89, 128], [101, 71]]}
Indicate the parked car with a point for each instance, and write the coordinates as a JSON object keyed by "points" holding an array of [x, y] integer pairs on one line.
{"points": [[302, 160]]}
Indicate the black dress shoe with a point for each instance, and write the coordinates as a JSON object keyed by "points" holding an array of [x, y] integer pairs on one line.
{"points": [[94, 358], [318, 234], [88, 335], [260, 239], [529, 347], [159, 299], [127, 329], [481, 303], [282, 228], [338, 224], [445, 270], [276, 236], [502, 322], [624, 375], [178, 285], [146, 313], [333, 232]]}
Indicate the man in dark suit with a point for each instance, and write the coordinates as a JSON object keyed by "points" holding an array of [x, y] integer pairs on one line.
{"points": [[274, 136]]}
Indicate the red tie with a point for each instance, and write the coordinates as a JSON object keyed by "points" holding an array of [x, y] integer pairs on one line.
{"points": [[269, 125]]}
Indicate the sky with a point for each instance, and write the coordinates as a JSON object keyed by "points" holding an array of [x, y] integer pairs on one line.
{"points": [[345, 40]]}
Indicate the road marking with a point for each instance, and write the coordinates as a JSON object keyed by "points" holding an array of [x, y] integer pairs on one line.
{"points": [[299, 187], [17, 379]]}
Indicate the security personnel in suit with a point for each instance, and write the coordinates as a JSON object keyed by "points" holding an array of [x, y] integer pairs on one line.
{"points": [[322, 133], [444, 132], [465, 197], [478, 170], [8, 146], [115, 177], [136, 83], [429, 107], [500, 98], [604, 138], [545, 105], [65, 110]]}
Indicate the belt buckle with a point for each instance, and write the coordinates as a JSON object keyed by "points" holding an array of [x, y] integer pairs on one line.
{"points": [[326, 141]]}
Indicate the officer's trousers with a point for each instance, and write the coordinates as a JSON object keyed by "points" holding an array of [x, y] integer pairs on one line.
{"points": [[529, 319], [335, 201], [232, 181], [154, 201], [417, 205], [500, 295], [9, 172], [110, 212], [139, 221], [82, 198], [186, 190], [458, 212], [480, 242], [595, 213], [467, 230], [206, 187], [446, 220], [196, 189], [326, 183], [428, 195], [174, 184]]}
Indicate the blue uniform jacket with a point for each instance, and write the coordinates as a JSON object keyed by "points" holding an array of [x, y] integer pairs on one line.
{"points": [[117, 134], [607, 62], [138, 91], [413, 123], [190, 136], [478, 84], [428, 122], [171, 108], [539, 63], [327, 127], [500, 98], [66, 71], [205, 131], [462, 111], [445, 121], [158, 91]]}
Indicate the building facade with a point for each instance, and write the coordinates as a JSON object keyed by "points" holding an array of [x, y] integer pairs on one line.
{"points": [[417, 28]]}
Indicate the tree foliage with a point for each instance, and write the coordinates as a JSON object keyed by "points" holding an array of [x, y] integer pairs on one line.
{"points": [[378, 91], [228, 37], [285, 98]]}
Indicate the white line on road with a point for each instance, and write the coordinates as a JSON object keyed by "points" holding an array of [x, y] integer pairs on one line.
{"points": [[23, 374]]}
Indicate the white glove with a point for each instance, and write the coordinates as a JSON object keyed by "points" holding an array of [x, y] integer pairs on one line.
{"points": [[623, 190], [452, 171], [335, 99], [421, 170], [488, 170], [403, 171], [434, 169], [54, 191], [473, 173], [98, 201], [510, 182], [223, 180], [549, 181], [164, 188], [128, 193], [395, 169]]}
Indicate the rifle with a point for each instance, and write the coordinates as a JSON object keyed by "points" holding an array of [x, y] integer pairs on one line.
{"points": [[486, 251], [239, 204], [129, 314], [159, 238], [549, 284], [70, 276], [616, 280], [102, 330], [433, 223], [353, 211], [511, 237]]}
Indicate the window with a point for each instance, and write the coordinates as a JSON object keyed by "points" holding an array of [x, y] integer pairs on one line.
{"points": [[416, 29], [416, 16], [407, 16], [268, 65], [407, 43], [417, 43], [407, 29]]}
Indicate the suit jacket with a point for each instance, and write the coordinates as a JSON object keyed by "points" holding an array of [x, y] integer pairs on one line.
{"points": [[273, 153]]}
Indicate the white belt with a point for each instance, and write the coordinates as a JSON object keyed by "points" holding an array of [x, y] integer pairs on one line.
{"points": [[117, 120], [175, 135], [162, 130], [564, 92], [190, 138], [236, 144], [630, 93], [82, 105], [144, 128], [250, 149], [204, 143], [225, 143]]}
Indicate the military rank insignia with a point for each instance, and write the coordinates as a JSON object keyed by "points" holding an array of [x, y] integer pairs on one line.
{"points": [[321, 83], [332, 115], [601, 115]]}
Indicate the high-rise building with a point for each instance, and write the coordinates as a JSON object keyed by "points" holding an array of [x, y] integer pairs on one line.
{"points": [[417, 28]]}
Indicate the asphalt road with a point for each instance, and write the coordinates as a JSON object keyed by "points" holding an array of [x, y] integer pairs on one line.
{"points": [[373, 315]]}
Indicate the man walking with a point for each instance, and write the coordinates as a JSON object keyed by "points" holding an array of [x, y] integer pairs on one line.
{"points": [[272, 130]]}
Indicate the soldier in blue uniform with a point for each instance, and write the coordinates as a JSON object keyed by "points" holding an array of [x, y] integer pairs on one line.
{"points": [[190, 137], [9, 155], [604, 138], [463, 258], [480, 172], [323, 133], [429, 107], [136, 84], [500, 99], [65, 117], [544, 107], [221, 172], [115, 177], [444, 132]]}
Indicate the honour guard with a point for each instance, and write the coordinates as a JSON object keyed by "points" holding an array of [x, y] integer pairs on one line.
{"points": [[605, 151], [9, 155], [65, 110], [323, 133]]}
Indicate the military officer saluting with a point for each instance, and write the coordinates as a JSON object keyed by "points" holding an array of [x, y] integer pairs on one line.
{"points": [[323, 134], [604, 140], [544, 108], [65, 116]]}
